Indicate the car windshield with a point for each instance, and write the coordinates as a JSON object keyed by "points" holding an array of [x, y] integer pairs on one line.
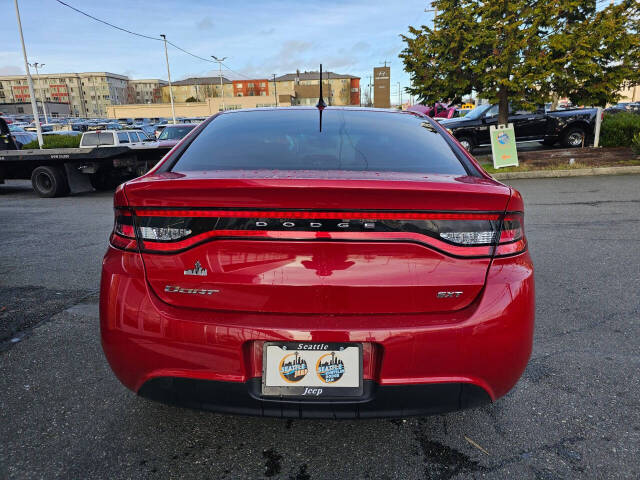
{"points": [[175, 133], [291, 139], [476, 113]]}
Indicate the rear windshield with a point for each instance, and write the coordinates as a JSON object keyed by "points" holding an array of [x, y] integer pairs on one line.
{"points": [[175, 133], [93, 139], [290, 139]]}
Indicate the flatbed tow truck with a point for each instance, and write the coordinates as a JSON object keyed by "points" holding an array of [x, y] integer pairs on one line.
{"points": [[58, 172]]}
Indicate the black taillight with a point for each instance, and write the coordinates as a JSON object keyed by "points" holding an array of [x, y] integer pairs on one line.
{"points": [[123, 235], [512, 239]]}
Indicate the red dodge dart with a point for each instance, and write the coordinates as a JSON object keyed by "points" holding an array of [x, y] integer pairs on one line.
{"points": [[318, 262]]}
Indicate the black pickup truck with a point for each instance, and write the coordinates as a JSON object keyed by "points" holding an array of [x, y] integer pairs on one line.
{"points": [[572, 128]]}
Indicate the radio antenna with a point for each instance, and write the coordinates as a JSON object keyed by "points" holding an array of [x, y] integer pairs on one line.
{"points": [[321, 103]]}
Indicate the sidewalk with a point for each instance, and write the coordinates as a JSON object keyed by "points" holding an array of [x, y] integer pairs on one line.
{"points": [[574, 172]]}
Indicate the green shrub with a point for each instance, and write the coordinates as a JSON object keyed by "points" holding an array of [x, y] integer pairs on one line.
{"points": [[618, 130], [636, 144], [55, 141]]}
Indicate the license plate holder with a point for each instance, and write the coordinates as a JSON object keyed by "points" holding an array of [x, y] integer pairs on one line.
{"points": [[312, 371]]}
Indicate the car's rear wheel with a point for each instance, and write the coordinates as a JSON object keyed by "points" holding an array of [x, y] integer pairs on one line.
{"points": [[467, 143], [49, 182], [574, 137]]}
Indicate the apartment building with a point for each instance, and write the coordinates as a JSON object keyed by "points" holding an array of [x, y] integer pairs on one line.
{"points": [[145, 90], [88, 94], [251, 88], [197, 89], [338, 89], [299, 88]]}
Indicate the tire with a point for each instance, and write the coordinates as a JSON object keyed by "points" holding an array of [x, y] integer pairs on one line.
{"points": [[101, 181], [49, 182], [574, 137], [467, 143]]}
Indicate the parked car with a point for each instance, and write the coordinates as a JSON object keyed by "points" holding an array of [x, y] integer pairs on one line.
{"points": [[44, 127], [272, 267], [172, 134], [439, 110], [7, 141], [23, 138], [572, 128], [632, 107], [116, 138], [146, 128], [158, 129]]}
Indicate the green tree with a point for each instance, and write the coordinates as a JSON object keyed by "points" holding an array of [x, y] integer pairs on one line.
{"points": [[434, 80], [524, 51], [589, 55]]}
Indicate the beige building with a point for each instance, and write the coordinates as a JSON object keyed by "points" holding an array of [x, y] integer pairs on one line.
{"points": [[145, 90], [338, 89], [88, 94], [304, 87], [198, 88], [630, 94], [194, 109]]}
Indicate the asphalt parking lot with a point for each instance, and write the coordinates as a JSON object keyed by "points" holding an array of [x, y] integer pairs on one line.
{"points": [[574, 414]]}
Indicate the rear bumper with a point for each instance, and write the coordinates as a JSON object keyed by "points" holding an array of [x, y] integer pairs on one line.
{"points": [[171, 354], [379, 401]]}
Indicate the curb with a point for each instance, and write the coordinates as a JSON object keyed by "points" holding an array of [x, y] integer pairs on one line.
{"points": [[576, 172]]}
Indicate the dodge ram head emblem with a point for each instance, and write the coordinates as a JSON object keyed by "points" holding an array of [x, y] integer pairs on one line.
{"points": [[197, 270]]}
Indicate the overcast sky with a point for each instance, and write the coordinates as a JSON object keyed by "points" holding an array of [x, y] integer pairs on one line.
{"points": [[259, 37]]}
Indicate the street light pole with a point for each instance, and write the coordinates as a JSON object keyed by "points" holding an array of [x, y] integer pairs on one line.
{"points": [[43, 98], [220, 60], [32, 93], [166, 56], [399, 95], [275, 89]]}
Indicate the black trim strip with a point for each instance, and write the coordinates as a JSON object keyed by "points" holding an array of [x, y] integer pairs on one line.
{"points": [[332, 240]]}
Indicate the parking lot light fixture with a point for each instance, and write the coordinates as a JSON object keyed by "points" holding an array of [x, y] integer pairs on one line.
{"points": [[220, 60], [43, 96], [275, 89], [32, 93], [166, 56]]}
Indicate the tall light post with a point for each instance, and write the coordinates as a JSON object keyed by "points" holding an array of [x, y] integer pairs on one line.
{"points": [[399, 96], [43, 98], [32, 93], [166, 56], [275, 89], [220, 60]]}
